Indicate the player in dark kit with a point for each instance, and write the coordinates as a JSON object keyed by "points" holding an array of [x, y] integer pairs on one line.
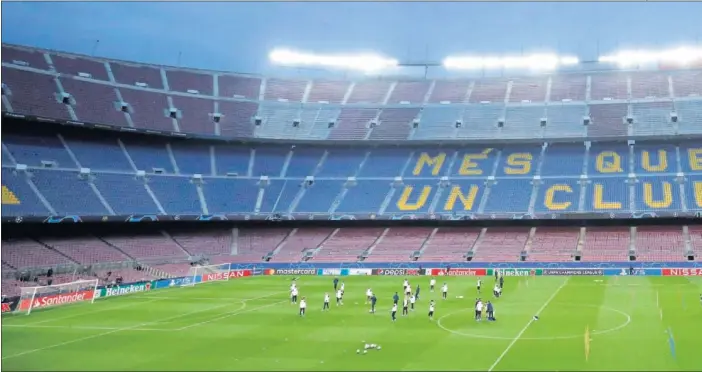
{"points": [[416, 293], [373, 301], [395, 299], [336, 283], [490, 312], [502, 281]]}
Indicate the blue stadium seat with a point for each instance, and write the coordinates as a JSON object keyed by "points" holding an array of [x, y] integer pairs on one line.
{"points": [[608, 159], [192, 158], [125, 194], [365, 197], [413, 197], [225, 195], [342, 163], [177, 195], [511, 195], [32, 150], [232, 159], [693, 192], [652, 159], [18, 199], [558, 195], [658, 193], [67, 193], [384, 163], [563, 160], [149, 156], [304, 162], [99, 154], [269, 161], [610, 194], [319, 197]]}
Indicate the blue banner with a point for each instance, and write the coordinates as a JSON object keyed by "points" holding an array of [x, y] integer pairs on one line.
{"points": [[174, 282], [333, 272], [636, 272]]}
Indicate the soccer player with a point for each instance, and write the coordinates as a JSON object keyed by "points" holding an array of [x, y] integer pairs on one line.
{"points": [[405, 304], [395, 298], [416, 293], [293, 285], [480, 283], [339, 295], [408, 290], [502, 281], [432, 283], [479, 311], [326, 302], [369, 294], [405, 284], [394, 312], [336, 283], [490, 312], [497, 274], [293, 295], [498, 291], [303, 306], [412, 301], [342, 287], [373, 301], [431, 310], [444, 291]]}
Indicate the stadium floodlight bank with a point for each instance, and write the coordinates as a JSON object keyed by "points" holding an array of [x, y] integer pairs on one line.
{"points": [[208, 273], [32, 298]]}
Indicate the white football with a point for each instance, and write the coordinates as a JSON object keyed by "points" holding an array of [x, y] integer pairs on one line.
{"points": [[365, 351], [358, 351]]}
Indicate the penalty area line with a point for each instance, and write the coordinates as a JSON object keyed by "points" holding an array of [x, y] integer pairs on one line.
{"points": [[519, 335]]}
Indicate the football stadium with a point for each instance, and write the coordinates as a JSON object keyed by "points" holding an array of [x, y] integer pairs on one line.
{"points": [[169, 218]]}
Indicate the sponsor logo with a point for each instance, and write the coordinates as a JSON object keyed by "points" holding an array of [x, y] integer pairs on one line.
{"points": [[269, 272], [392, 272], [334, 272], [6, 307], [124, 289], [360, 271], [574, 272], [225, 275], [294, 272], [59, 299], [682, 272], [519, 272], [459, 272]]}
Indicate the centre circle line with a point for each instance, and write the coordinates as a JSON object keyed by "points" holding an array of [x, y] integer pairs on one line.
{"points": [[488, 337]]}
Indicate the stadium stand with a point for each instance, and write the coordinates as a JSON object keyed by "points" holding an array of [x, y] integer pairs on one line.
{"points": [[87, 173]]}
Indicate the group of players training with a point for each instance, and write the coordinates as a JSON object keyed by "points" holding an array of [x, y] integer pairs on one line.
{"points": [[409, 300]]}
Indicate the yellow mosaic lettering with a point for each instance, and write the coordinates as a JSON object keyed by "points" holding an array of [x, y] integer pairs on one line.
{"points": [[469, 167], [662, 161], [519, 163], [598, 201], [609, 162], [667, 196], [435, 162], [695, 157], [550, 195], [467, 200], [403, 203]]}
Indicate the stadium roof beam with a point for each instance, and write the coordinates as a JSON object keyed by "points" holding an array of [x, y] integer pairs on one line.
{"points": [[682, 56], [532, 61], [360, 62]]}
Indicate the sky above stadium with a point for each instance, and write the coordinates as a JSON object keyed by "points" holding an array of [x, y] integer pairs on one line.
{"points": [[238, 36]]}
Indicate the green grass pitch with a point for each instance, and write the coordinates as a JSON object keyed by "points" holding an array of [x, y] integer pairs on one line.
{"points": [[586, 323]]}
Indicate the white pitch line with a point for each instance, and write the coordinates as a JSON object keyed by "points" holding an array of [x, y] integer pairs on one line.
{"points": [[130, 328], [82, 327], [657, 304], [90, 312], [519, 335], [227, 315], [109, 332]]}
